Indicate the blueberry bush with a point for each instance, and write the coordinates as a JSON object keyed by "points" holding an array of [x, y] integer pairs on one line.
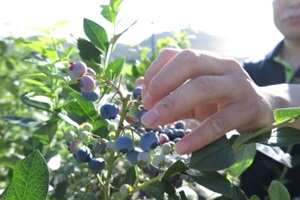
{"points": [[70, 127]]}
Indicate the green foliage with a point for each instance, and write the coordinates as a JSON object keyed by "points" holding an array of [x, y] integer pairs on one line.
{"points": [[30, 179]]}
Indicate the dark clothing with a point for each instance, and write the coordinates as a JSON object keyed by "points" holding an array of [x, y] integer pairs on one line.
{"points": [[257, 178]]}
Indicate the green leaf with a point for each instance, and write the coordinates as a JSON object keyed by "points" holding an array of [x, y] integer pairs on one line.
{"points": [[174, 169], [20, 120], [215, 156], [284, 114], [96, 34], [38, 102], [278, 191], [156, 190], [109, 12], [46, 132], [244, 155], [30, 179], [254, 197], [89, 54], [212, 181], [131, 175], [114, 68], [281, 137]]}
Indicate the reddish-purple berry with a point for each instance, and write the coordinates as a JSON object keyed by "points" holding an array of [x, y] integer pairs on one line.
{"points": [[77, 69], [87, 83]]}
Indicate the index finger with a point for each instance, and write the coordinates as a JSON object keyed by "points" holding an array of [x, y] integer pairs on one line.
{"points": [[187, 64]]}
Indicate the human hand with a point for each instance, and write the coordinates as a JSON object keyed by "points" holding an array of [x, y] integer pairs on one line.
{"points": [[182, 84]]}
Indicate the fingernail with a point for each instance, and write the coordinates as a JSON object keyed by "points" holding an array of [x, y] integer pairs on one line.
{"points": [[147, 101], [182, 147], [150, 118]]}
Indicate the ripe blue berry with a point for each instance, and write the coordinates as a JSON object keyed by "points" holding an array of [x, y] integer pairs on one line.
{"points": [[83, 154], [90, 96], [180, 125], [77, 69], [149, 141], [109, 111], [132, 155], [124, 144], [87, 83], [137, 93], [96, 164]]}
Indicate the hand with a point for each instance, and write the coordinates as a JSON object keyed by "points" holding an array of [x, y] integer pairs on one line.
{"points": [[182, 84]]}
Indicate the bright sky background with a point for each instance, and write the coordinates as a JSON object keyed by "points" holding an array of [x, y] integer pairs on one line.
{"points": [[247, 23]]}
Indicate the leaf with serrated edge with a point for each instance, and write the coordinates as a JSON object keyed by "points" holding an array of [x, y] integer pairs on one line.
{"points": [[30, 179]]}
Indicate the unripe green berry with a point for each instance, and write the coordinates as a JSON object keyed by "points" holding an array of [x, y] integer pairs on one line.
{"points": [[126, 190], [86, 127], [69, 136]]}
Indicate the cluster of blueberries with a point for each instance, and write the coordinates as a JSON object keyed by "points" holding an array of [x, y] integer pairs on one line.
{"points": [[147, 148], [83, 76]]}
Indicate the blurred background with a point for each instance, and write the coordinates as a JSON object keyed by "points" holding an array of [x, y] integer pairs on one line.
{"points": [[237, 28]]}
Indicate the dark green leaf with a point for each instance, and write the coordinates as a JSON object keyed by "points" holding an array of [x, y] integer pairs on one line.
{"points": [[244, 158], [114, 68], [89, 54], [131, 175], [215, 156], [20, 120], [81, 107], [96, 34], [29, 99], [170, 190], [156, 190], [212, 181], [278, 191], [254, 197], [182, 195], [238, 194], [46, 132], [30, 179], [281, 137], [174, 169]]}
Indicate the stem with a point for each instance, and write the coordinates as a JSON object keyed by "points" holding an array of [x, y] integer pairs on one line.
{"points": [[112, 157], [145, 184]]}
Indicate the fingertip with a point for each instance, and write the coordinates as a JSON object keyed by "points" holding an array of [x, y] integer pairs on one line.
{"points": [[182, 147], [139, 81]]}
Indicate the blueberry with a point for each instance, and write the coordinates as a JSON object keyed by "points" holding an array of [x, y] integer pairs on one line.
{"points": [[166, 148], [137, 93], [159, 160], [144, 158], [90, 71], [74, 146], [69, 136], [83, 154], [109, 111], [100, 147], [132, 155], [149, 141], [89, 96], [180, 125], [96, 164], [87, 83], [179, 133], [163, 138], [77, 69], [124, 144]]}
